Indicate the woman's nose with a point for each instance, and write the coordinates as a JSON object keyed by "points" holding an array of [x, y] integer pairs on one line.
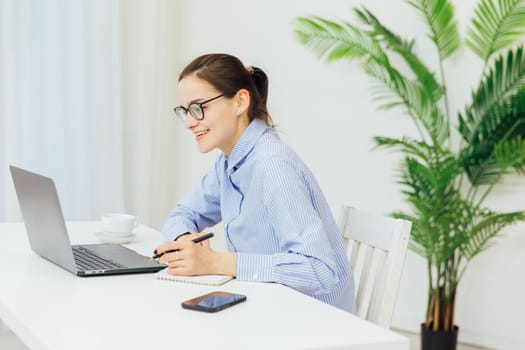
{"points": [[190, 122]]}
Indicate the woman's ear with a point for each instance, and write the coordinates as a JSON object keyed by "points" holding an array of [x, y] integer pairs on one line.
{"points": [[242, 100]]}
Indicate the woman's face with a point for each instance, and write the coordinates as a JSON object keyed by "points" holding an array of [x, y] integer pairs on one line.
{"points": [[225, 119]]}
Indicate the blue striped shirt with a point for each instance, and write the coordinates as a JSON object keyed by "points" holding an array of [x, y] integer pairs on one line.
{"points": [[275, 218]]}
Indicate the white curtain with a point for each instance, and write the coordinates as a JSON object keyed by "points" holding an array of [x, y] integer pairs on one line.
{"points": [[86, 96], [61, 101], [86, 91], [150, 67]]}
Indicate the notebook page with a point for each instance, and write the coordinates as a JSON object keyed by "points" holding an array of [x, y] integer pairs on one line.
{"points": [[212, 280]]}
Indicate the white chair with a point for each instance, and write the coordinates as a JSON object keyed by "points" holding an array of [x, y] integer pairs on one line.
{"points": [[376, 247]]}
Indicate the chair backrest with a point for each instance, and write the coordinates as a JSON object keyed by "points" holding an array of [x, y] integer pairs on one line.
{"points": [[376, 247]]}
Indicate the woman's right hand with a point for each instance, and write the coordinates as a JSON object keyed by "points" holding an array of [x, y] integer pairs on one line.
{"points": [[188, 258]]}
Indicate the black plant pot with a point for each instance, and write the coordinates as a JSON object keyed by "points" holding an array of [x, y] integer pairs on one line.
{"points": [[438, 340]]}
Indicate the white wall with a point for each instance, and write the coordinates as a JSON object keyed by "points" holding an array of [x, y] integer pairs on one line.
{"points": [[325, 112]]}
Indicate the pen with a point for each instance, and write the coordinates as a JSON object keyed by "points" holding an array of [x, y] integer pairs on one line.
{"points": [[196, 240]]}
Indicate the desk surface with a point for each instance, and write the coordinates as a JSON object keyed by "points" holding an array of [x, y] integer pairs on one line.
{"points": [[52, 309]]}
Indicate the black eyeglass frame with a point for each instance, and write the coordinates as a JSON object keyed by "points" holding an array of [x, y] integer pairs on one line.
{"points": [[184, 117]]}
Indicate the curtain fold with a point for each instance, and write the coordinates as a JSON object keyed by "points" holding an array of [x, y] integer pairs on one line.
{"points": [[149, 81], [86, 92], [60, 98]]}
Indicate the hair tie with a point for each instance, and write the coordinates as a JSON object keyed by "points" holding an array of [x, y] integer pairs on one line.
{"points": [[250, 70]]}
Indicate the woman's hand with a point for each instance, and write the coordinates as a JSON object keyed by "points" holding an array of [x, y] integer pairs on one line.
{"points": [[196, 258]]}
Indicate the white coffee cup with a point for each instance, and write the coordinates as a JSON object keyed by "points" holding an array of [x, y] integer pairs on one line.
{"points": [[117, 224]]}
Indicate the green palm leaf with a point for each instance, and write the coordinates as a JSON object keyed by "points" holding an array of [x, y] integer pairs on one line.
{"points": [[404, 48], [425, 91], [436, 204], [482, 234], [511, 154], [392, 89], [334, 41], [419, 149], [439, 15], [497, 114], [428, 184], [480, 168], [431, 164], [415, 246], [496, 26], [503, 80]]}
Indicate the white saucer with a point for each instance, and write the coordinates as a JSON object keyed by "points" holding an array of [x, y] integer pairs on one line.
{"points": [[118, 239]]}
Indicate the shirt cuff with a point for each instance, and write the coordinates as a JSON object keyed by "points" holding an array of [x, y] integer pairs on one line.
{"points": [[174, 228], [254, 267]]}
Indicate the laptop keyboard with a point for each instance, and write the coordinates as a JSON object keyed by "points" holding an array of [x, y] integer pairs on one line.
{"points": [[88, 260]]}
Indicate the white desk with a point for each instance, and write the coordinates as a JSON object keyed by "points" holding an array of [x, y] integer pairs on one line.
{"points": [[52, 309]]}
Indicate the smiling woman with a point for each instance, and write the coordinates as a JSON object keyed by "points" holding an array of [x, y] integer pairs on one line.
{"points": [[277, 222]]}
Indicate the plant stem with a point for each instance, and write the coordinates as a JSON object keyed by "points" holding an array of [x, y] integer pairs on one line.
{"points": [[436, 323], [430, 301], [461, 273], [450, 277], [446, 286], [436, 320], [449, 293], [445, 96], [473, 194], [487, 192], [460, 183], [446, 323], [455, 269], [469, 192], [453, 307], [416, 123]]}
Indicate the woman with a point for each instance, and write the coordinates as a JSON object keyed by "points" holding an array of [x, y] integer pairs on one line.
{"points": [[278, 225]]}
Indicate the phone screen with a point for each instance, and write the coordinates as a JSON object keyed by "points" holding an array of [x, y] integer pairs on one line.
{"points": [[213, 302]]}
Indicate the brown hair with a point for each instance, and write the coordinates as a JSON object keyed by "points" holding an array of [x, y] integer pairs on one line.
{"points": [[228, 75]]}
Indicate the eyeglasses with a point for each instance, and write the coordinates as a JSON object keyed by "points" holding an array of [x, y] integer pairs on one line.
{"points": [[194, 109]]}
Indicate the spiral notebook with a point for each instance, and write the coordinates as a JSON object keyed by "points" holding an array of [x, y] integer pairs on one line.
{"points": [[211, 280]]}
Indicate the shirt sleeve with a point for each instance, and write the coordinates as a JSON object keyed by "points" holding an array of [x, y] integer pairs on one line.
{"points": [[306, 261], [197, 211]]}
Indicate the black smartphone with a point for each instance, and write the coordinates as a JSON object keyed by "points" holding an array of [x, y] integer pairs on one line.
{"points": [[214, 301]]}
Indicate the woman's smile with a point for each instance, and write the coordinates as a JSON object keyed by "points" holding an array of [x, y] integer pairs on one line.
{"points": [[200, 134]]}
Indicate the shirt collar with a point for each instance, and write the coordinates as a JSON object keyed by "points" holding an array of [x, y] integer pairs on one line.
{"points": [[246, 143]]}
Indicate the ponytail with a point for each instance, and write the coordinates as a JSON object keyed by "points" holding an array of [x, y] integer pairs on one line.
{"points": [[260, 80]]}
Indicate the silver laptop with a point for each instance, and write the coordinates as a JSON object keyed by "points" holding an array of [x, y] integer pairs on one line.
{"points": [[48, 237]]}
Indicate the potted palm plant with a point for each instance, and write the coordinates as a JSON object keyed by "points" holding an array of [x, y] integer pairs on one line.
{"points": [[445, 186]]}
